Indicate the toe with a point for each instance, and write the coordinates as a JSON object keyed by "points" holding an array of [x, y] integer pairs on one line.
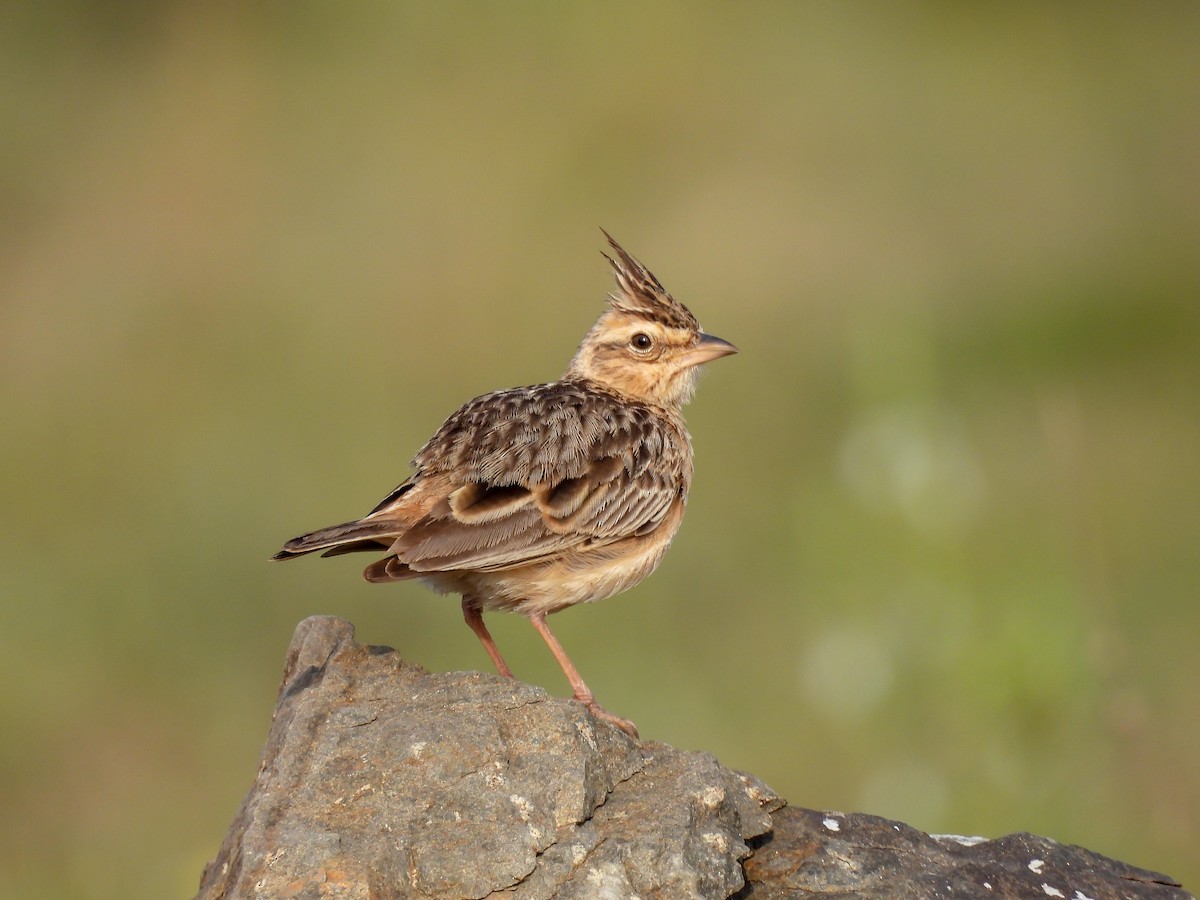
{"points": [[605, 716]]}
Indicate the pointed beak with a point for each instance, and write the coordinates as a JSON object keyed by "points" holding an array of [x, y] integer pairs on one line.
{"points": [[710, 347]]}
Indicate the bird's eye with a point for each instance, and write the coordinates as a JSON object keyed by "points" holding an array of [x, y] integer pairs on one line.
{"points": [[641, 342]]}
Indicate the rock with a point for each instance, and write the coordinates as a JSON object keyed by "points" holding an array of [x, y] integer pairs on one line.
{"points": [[381, 780], [857, 855]]}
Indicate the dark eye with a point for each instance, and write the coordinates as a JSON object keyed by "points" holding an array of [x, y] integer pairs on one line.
{"points": [[641, 341]]}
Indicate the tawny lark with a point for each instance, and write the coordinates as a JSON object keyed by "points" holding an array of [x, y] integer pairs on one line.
{"points": [[537, 498]]}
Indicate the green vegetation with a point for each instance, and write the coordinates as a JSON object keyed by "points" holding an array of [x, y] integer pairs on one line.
{"points": [[941, 559]]}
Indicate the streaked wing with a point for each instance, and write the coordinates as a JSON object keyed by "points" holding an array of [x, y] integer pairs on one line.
{"points": [[536, 471]]}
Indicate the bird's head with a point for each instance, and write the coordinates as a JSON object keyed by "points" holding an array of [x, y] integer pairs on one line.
{"points": [[647, 345]]}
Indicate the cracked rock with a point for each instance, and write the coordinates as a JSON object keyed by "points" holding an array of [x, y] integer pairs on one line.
{"points": [[381, 780], [830, 854]]}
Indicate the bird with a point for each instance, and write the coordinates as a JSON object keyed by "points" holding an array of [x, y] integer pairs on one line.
{"points": [[534, 499]]}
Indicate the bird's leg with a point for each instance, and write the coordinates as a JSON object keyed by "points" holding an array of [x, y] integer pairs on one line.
{"points": [[474, 616], [582, 693]]}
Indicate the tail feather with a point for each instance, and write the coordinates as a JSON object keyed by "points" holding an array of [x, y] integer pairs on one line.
{"points": [[371, 546], [388, 569], [345, 538]]}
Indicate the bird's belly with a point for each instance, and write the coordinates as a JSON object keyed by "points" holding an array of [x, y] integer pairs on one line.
{"points": [[578, 576], [553, 586]]}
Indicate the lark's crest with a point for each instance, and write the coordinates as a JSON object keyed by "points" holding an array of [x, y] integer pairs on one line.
{"points": [[642, 294]]}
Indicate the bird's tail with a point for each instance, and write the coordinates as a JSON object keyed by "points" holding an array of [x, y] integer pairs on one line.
{"points": [[349, 537]]}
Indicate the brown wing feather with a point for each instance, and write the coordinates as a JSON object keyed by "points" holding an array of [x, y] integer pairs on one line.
{"points": [[539, 470]]}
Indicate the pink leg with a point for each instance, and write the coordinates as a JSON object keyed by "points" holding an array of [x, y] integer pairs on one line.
{"points": [[582, 693], [474, 616]]}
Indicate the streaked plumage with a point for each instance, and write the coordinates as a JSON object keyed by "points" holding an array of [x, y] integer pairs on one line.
{"points": [[537, 498]]}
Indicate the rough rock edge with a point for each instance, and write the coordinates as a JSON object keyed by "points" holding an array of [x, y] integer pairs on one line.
{"points": [[859, 855], [600, 843], [339, 770]]}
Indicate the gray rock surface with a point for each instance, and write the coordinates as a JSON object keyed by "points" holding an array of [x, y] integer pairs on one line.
{"points": [[861, 856], [381, 780]]}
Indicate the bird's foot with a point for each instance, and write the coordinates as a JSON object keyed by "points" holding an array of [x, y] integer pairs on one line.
{"points": [[605, 716]]}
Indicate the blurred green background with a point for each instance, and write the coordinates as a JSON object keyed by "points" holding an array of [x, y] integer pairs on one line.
{"points": [[941, 560]]}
